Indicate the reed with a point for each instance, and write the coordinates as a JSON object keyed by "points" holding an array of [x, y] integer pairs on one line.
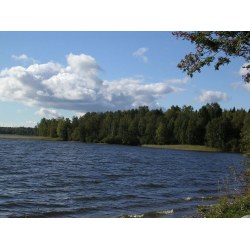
{"points": [[235, 201], [184, 147], [29, 137]]}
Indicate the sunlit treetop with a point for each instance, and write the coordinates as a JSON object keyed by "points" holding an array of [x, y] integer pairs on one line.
{"points": [[215, 46]]}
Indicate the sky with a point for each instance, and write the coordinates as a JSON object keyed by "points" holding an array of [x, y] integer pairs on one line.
{"points": [[68, 73]]}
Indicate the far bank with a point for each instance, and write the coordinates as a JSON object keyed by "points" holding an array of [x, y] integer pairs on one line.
{"points": [[177, 147]]}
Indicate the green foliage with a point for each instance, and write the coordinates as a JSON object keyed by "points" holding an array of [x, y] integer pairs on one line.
{"points": [[209, 126], [239, 205], [19, 131], [215, 45], [112, 140], [227, 208]]}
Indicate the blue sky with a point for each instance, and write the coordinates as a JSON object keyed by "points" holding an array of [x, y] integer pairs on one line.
{"points": [[50, 74]]}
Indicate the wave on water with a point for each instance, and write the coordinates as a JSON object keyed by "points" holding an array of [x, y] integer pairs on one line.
{"points": [[148, 215], [130, 196], [209, 198], [87, 198], [152, 185], [187, 199]]}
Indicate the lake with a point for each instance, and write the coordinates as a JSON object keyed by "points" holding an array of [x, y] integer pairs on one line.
{"points": [[65, 179]]}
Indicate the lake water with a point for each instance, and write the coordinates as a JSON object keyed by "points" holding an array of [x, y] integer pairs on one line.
{"points": [[66, 179]]}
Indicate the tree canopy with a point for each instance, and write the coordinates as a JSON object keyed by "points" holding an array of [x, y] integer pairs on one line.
{"points": [[217, 47]]}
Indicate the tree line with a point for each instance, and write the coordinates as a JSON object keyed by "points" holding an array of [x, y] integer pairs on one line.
{"points": [[210, 126], [18, 130]]}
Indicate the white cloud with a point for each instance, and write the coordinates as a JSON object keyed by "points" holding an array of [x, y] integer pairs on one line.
{"points": [[30, 124], [7, 124], [77, 87], [183, 81], [145, 59], [243, 71], [21, 110], [19, 124], [24, 57], [235, 85], [246, 86], [79, 114], [140, 52], [48, 113], [211, 96]]}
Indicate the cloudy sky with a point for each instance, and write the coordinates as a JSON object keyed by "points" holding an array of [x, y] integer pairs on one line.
{"points": [[51, 74]]}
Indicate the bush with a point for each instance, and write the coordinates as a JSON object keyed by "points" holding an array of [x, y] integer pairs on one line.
{"points": [[112, 140]]}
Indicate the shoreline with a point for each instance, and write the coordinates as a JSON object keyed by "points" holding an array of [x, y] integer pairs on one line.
{"points": [[198, 148], [29, 137]]}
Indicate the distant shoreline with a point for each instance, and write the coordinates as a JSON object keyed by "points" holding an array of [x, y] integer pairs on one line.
{"points": [[29, 137], [176, 147], [184, 147]]}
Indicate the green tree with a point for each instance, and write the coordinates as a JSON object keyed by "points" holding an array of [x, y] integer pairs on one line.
{"points": [[214, 110], [191, 133], [75, 122], [53, 128], [64, 129], [161, 134], [217, 47], [219, 133], [43, 127], [153, 118], [181, 124], [124, 123]]}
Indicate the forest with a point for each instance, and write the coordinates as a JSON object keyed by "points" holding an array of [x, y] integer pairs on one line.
{"points": [[18, 131], [210, 126]]}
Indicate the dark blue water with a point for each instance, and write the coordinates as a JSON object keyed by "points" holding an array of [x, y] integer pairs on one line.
{"points": [[66, 179]]}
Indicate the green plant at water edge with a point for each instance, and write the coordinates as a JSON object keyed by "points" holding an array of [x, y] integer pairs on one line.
{"points": [[228, 209], [239, 206], [235, 206]]}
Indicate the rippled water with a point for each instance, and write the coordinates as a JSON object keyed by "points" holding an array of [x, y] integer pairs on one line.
{"points": [[66, 179]]}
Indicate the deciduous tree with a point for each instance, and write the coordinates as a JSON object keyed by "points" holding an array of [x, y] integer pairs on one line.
{"points": [[215, 46]]}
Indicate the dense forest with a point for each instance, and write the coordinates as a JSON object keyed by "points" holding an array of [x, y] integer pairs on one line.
{"points": [[210, 126], [18, 131]]}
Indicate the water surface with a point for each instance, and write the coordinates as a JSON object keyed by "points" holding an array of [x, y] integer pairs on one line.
{"points": [[66, 179]]}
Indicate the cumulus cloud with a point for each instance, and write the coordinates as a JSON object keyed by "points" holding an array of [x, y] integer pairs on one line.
{"points": [[183, 81], [140, 52], [50, 113], [129, 93], [246, 86], [77, 87], [211, 96], [243, 71]]}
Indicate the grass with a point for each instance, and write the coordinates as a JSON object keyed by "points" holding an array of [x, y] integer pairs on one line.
{"points": [[229, 206], [29, 137], [185, 147]]}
